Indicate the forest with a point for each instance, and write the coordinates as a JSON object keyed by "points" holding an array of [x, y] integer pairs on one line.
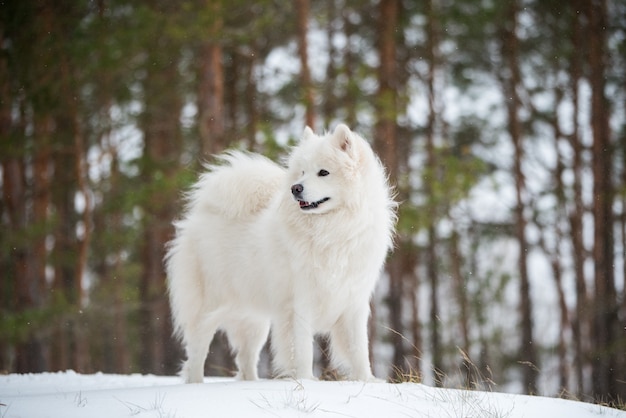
{"points": [[502, 124]]}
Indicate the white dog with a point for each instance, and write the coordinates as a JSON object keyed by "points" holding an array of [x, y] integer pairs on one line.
{"points": [[299, 249]]}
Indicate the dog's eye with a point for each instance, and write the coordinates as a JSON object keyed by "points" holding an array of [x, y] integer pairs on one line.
{"points": [[322, 173]]}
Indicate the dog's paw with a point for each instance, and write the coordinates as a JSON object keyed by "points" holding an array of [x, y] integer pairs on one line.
{"points": [[367, 378], [296, 377], [246, 376]]}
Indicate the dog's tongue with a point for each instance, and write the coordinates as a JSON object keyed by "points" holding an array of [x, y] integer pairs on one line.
{"points": [[303, 203]]}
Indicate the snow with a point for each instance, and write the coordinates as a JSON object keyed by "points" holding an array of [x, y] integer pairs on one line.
{"points": [[68, 394]]}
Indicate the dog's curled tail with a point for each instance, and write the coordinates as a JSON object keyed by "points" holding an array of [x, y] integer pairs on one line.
{"points": [[238, 186]]}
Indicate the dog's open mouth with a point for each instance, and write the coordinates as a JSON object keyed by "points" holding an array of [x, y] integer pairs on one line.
{"points": [[312, 205]]}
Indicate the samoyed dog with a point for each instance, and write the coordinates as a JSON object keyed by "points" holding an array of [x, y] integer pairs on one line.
{"points": [[296, 249]]}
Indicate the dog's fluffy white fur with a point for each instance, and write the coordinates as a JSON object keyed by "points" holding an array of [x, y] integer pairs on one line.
{"points": [[298, 249]]}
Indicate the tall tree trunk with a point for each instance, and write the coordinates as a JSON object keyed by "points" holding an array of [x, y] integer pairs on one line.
{"points": [[251, 104], [557, 274], [604, 375], [42, 173], [6, 264], [234, 68], [21, 288], [385, 143], [121, 349], [302, 24], [409, 257], [64, 252], [395, 300], [511, 82], [386, 108], [556, 255], [431, 177], [622, 343], [82, 236], [69, 348], [581, 313], [23, 292], [460, 288], [30, 260], [350, 65], [435, 334], [121, 357], [162, 143], [211, 88], [329, 107]]}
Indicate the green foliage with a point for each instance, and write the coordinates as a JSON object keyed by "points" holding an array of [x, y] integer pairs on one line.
{"points": [[17, 327], [456, 171]]}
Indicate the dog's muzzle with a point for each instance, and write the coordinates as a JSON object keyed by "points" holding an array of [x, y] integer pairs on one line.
{"points": [[296, 191]]}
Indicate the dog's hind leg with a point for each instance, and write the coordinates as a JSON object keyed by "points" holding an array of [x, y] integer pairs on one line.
{"points": [[247, 338], [197, 338]]}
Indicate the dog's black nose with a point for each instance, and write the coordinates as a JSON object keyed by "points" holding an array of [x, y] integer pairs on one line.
{"points": [[297, 190]]}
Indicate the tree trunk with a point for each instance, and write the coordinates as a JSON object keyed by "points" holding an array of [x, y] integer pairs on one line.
{"points": [[604, 375], [82, 225], [563, 322], [42, 174], [64, 252], [460, 288], [430, 178], [511, 81], [330, 105], [20, 290], [410, 261], [385, 144], [556, 255], [396, 302], [251, 101], [69, 268], [211, 88], [622, 345], [581, 313], [302, 24], [23, 292], [6, 264], [386, 97], [121, 349], [349, 63], [621, 360], [162, 144]]}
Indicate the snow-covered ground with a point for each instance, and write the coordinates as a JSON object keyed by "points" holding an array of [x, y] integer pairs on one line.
{"points": [[68, 394]]}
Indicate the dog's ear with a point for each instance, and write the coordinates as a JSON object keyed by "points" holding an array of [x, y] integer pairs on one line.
{"points": [[344, 139], [308, 134]]}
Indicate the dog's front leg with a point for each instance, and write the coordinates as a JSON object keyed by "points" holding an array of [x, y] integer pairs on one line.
{"points": [[303, 342], [292, 345], [349, 344]]}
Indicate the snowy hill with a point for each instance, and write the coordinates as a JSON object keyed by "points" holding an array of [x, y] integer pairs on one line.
{"points": [[66, 395]]}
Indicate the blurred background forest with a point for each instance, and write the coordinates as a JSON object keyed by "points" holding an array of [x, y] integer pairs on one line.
{"points": [[503, 124]]}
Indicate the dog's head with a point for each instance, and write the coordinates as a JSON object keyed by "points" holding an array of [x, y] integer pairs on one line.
{"points": [[325, 170]]}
